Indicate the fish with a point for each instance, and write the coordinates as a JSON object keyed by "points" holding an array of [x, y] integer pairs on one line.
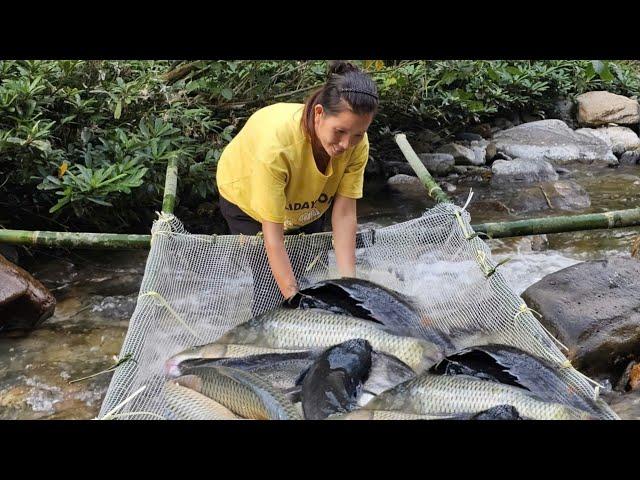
{"points": [[501, 412], [441, 394], [282, 370], [512, 366], [187, 404], [386, 372], [335, 379], [244, 393], [364, 299], [216, 351], [283, 328]]}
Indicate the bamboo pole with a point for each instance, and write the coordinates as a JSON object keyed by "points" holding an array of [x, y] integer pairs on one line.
{"points": [[75, 239], [560, 224], [433, 189], [170, 186]]}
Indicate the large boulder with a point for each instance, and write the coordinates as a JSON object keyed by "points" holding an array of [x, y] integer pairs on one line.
{"points": [[438, 163], [521, 172], [554, 141], [600, 108], [24, 301], [462, 155], [558, 195], [620, 139], [406, 184], [631, 157], [594, 309]]}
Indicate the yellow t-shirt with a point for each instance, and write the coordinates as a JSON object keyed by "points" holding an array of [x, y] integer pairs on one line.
{"points": [[268, 169]]}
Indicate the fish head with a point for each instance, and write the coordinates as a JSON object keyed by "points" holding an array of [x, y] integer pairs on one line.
{"points": [[172, 367]]}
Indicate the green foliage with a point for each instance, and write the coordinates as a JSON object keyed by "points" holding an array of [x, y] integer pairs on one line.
{"points": [[90, 140]]}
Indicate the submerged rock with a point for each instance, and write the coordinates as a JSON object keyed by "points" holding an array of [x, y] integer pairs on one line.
{"points": [[438, 163], [560, 195], [521, 171], [594, 309]]}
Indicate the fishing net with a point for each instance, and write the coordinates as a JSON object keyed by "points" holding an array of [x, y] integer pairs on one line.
{"points": [[197, 287]]}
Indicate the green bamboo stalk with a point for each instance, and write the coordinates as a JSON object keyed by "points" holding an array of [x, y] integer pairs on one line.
{"points": [[433, 189], [560, 224], [170, 186], [75, 239]]}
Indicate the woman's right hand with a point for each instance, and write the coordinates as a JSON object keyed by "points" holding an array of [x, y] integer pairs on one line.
{"points": [[279, 259]]}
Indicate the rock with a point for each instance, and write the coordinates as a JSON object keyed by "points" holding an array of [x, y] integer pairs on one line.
{"points": [[448, 187], [468, 137], [539, 243], [395, 168], [620, 139], [24, 301], [406, 184], [630, 158], [423, 141], [462, 155], [9, 252], [554, 141], [531, 117], [563, 171], [502, 123], [490, 151], [482, 129], [479, 149], [594, 309], [601, 107], [560, 195], [564, 109], [521, 172], [630, 379], [438, 163]]}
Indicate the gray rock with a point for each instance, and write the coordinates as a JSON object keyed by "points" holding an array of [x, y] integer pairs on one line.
{"points": [[462, 155], [406, 184], [448, 187], [601, 108], [521, 172], [437, 163], [490, 151], [620, 139], [468, 137], [564, 109], [24, 302], [594, 309], [558, 195], [539, 243], [630, 158], [554, 141], [396, 168]]}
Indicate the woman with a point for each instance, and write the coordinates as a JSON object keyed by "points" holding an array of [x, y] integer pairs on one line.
{"points": [[291, 162]]}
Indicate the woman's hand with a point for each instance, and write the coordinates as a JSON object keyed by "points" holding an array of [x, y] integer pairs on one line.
{"points": [[279, 259], [344, 225]]}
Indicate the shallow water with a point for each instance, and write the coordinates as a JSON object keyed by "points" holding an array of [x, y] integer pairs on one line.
{"points": [[97, 292]]}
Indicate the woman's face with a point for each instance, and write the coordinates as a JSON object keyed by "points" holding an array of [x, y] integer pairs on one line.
{"points": [[336, 133]]}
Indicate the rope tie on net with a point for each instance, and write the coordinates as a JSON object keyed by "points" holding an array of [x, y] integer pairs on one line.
{"points": [[487, 269], [161, 301], [163, 217], [463, 227], [567, 363], [525, 309]]}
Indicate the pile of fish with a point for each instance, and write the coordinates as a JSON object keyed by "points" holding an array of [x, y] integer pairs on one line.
{"points": [[352, 349]]}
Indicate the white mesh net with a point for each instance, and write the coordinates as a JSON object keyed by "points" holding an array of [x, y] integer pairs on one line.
{"points": [[197, 287]]}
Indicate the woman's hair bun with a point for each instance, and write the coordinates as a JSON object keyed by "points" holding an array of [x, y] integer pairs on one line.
{"points": [[340, 67]]}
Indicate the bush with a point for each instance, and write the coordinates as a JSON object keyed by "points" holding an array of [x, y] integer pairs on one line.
{"points": [[85, 144]]}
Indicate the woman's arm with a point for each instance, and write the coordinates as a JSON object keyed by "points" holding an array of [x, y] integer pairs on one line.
{"points": [[279, 259], [344, 225]]}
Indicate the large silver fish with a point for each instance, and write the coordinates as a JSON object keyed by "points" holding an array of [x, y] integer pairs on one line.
{"points": [[216, 351], [187, 404], [433, 394], [244, 393], [309, 329]]}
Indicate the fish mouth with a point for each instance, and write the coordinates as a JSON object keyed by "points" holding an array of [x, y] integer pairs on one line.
{"points": [[172, 368]]}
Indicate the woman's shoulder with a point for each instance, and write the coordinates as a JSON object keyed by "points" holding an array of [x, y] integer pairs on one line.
{"points": [[280, 122]]}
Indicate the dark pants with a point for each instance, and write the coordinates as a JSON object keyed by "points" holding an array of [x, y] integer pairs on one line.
{"points": [[265, 288]]}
